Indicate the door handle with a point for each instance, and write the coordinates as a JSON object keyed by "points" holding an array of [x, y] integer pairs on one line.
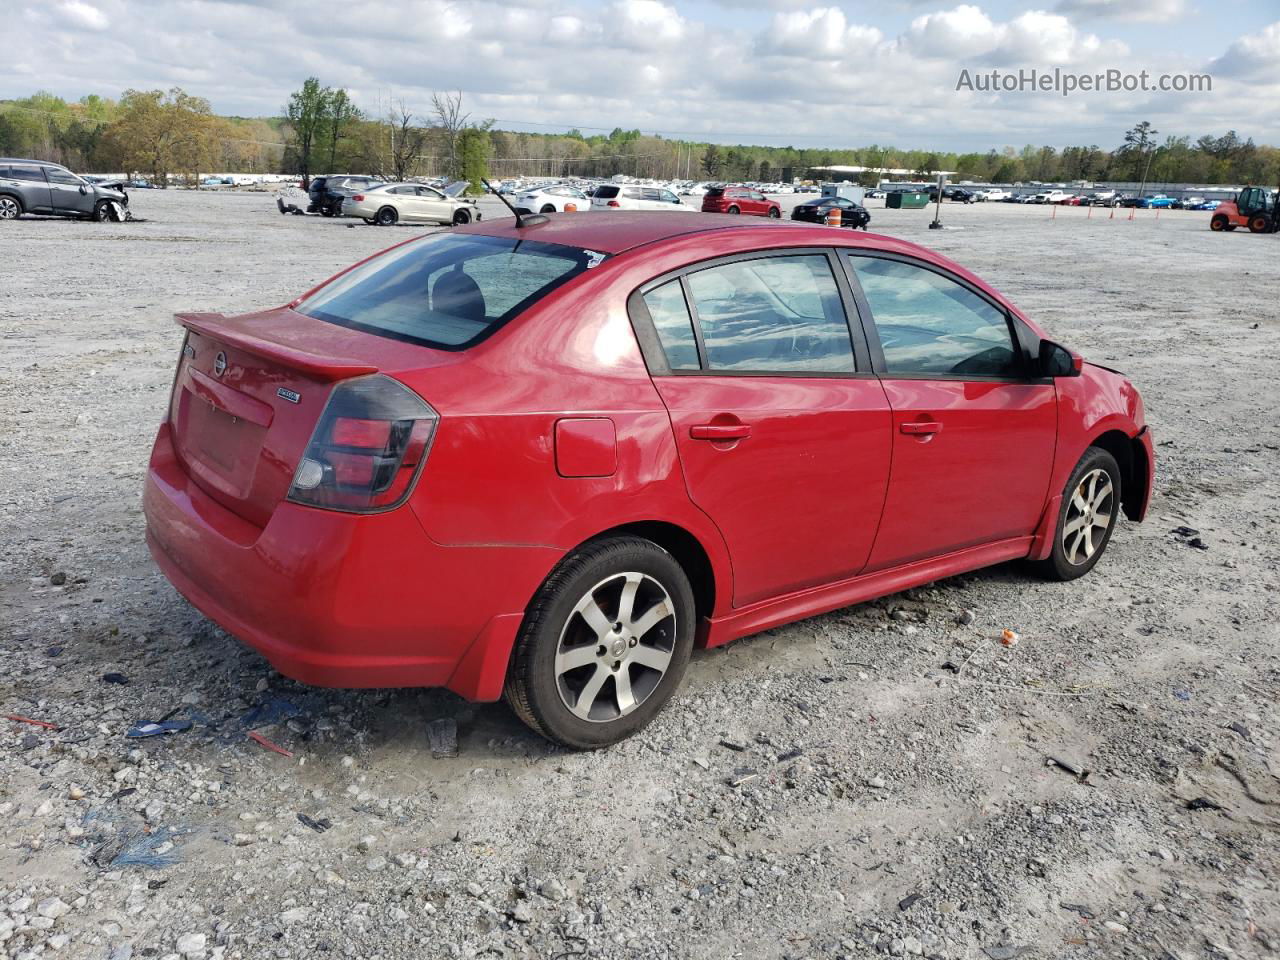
{"points": [[918, 427], [720, 431]]}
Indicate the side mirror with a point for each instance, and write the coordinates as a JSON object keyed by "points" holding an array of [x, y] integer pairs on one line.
{"points": [[83, 189], [1057, 361]]}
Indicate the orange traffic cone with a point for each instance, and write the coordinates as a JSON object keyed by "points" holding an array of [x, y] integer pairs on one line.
{"points": [[833, 217]]}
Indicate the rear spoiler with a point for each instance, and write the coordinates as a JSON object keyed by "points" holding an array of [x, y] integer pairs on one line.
{"points": [[215, 325]]}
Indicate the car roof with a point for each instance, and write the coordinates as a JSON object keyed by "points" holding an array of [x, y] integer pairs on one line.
{"points": [[36, 163], [615, 233]]}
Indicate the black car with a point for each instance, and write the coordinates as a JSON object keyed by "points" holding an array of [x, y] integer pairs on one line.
{"points": [[815, 211], [954, 194], [327, 193]]}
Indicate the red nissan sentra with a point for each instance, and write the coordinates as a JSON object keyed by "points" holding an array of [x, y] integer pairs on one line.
{"points": [[546, 460]]}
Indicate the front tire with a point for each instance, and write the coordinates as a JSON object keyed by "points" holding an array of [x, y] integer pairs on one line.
{"points": [[603, 645], [1090, 508], [774, 213], [10, 208], [386, 217], [1258, 224], [461, 218]]}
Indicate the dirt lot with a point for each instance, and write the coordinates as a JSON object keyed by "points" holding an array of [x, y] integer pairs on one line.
{"points": [[897, 808]]}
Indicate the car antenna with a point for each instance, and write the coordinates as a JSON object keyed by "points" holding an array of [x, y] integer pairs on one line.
{"points": [[522, 220]]}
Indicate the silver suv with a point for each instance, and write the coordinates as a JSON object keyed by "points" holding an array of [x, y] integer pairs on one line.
{"points": [[34, 186]]}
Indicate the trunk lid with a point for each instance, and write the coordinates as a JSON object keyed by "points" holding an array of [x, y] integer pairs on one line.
{"points": [[249, 391]]}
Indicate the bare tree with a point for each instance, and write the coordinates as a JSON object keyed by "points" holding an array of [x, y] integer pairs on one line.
{"points": [[450, 117], [407, 140]]}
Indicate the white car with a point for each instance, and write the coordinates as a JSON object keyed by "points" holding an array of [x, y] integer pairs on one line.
{"points": [[612, 196], [1052, 196], [554, 198], [388, 203], [994, 193]]}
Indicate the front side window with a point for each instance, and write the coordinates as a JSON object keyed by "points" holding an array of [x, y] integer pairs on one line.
{"points": [[447, 290], [62, 176], [930, 324], [430, 193], [774, 314]]}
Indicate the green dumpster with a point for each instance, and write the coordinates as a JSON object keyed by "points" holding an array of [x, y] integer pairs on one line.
{"points": [[907, 200]]}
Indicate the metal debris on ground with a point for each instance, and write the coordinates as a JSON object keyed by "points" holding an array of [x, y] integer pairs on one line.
{"points": [[442, 735], [319, 826], [1203, 803], [18, 718], [157, 727], [271, 745]]}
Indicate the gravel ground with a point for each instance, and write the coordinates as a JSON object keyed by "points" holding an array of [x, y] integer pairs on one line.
{"points": [[877, 781]]}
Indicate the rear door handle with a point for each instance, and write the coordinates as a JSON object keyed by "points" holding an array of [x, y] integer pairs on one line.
{"points": [[720, 431], [918, 427]]}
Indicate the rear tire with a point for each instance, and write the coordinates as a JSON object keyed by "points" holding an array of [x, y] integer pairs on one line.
{"points": [[603, 645], [547, 208], [370, 221], [1086, 519], [386, 217], [734, 210], [1219, 222], [10, 208]]}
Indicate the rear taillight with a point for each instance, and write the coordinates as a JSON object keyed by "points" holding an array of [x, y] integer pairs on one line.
{"points": [[358, 198], [368, 448], [614, 203]]}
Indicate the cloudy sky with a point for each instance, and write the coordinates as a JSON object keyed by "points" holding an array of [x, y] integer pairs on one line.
{"points": [[752, 71]]}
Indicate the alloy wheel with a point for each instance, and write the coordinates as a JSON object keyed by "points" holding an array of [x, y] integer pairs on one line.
{"points": [[1089, 515], [8, 208], [615, 647]]}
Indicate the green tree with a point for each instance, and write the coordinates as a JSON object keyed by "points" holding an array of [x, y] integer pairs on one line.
{"points": [[712, 162], [339, 116], [473, 156], [307, 113], [164, 133]]}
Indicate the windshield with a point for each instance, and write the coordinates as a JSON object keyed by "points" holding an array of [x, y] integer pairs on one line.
{"points": [[448, 291]]}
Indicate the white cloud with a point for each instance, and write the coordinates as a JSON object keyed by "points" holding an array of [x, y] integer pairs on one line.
{"points": [[1133, 11], [83, 15]]}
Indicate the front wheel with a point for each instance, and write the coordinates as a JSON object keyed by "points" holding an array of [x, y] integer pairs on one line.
{"points": [[461, 218], [774, 213], [604, 643], [1258, 224], [1090, 508]]}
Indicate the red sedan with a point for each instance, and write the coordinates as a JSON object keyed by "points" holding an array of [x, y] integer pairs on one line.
{"points": [[545, 461], [745, 200]]}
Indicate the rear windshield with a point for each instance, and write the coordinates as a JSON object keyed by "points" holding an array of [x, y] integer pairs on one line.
{"points": [[715, 191], [448, 291], [606, 192]]}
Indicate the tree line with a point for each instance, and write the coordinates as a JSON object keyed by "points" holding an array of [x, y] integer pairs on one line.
{"points": [[171, 134]]}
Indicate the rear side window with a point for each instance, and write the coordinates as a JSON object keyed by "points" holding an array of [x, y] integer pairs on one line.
{"points": [[930, 324], [671, 319], [608, 193], [715, 192], [775, 314], [447, 290]]}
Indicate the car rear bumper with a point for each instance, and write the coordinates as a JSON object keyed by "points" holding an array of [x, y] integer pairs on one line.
{"points": [[339, 600]]}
